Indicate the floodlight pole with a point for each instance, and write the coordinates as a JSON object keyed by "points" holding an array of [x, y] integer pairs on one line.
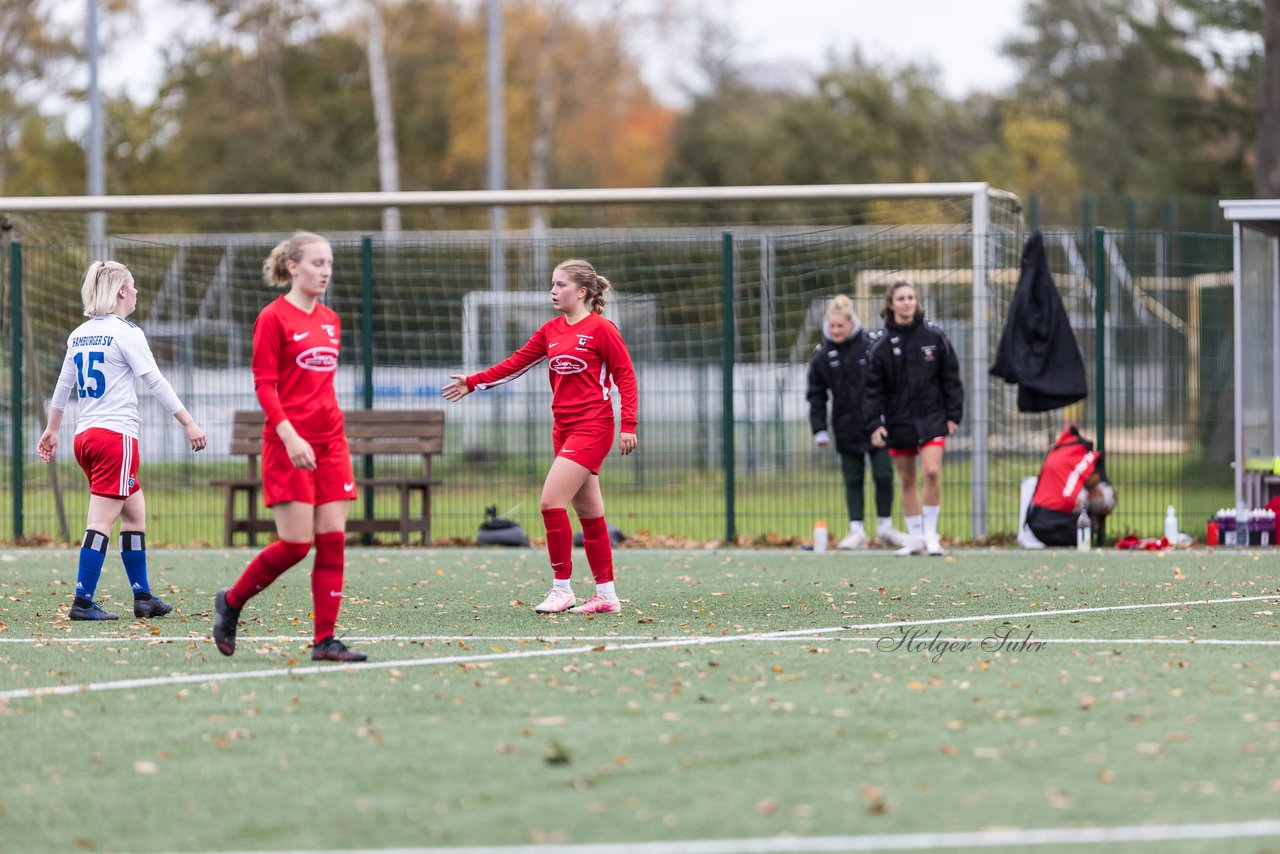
{"points": [[497, 170], [981, 313], [94, 168]]}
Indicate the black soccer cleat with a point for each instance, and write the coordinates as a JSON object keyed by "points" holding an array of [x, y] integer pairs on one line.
{"points": [[225, 621], [153, 607], [93, 612], [332, 649]]}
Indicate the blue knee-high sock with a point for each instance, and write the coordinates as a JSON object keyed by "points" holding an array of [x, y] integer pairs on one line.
{"points": [[133, 553], [93, 553]]}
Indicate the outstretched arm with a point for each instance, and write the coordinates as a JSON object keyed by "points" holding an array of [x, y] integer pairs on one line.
{"points": [[457, 389]]}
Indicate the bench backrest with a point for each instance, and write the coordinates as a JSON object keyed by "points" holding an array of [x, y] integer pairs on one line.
{"points": [[369, 431]]}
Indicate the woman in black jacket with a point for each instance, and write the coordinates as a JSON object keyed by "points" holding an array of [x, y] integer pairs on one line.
{"points": [[914, 401], [838, 370]]}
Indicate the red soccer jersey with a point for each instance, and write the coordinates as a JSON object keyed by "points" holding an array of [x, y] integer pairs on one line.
{"points": [[295, 355], [1065, 469], [585, 360]]}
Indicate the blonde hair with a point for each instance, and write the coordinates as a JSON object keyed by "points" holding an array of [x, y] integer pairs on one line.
{"points": [[582, 274], [894, 286], [100, 289], [275, 269], [843, 306]]}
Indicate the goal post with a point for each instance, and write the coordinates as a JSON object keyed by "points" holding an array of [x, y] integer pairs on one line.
{"points": [[440, 303]]}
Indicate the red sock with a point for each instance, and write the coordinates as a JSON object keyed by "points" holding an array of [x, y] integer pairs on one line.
{"points": [[559, 541], [599, 548], [270, 563], [326, 581]]}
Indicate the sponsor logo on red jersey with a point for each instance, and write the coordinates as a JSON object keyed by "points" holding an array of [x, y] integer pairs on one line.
{"points": [[324, 359], [567, 365]]}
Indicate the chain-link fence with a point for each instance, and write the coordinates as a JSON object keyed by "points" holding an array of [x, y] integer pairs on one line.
{"points": [[721, 322]]}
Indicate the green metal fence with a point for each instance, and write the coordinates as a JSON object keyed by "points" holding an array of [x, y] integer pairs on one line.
{"points": [[721, 323]]}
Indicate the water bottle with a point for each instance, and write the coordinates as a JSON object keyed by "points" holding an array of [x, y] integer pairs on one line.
{"points": [[1171, 525], [1084, 531], [1242, 523], [820, 536], [1227, 526], [1257, 527]]}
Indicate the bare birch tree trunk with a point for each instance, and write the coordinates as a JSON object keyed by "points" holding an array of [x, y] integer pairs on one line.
{"points": [[384, 117], [1266, 179]]}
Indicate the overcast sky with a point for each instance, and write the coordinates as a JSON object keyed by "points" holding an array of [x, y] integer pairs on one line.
{"points": [[961, 37]]}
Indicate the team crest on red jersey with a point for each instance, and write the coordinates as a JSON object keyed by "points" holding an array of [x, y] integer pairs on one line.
{"points": [[324, 359], [567, 365]]}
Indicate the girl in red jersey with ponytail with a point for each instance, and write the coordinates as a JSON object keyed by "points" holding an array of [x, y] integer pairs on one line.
{"points": [[586, 357], [307, 479]]}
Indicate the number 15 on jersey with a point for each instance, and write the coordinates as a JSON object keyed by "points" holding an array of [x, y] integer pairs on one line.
{"points": [[87, 372]]}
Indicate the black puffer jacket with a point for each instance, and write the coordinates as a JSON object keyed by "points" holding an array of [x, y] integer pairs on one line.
{"points": [[841, 370], [913, 384]]}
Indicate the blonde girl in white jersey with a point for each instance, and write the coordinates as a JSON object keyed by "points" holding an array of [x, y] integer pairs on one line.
{"points": [[105, 354]]}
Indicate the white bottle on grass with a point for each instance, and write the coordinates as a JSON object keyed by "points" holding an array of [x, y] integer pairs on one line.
{"points": [[820, 536]]}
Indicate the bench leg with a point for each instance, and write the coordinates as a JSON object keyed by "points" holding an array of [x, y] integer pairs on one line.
{"points": [[426, 515], [229, 517], [404, 515], [253, 516]]}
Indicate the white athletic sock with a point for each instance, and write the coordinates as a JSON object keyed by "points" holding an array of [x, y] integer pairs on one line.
{"points": [[915, 527], [562, 584], [931, 520], [884, 523], [605, 589], [855, 527]]}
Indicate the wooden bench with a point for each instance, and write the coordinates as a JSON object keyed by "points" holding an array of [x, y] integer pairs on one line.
{"points": [[370, 433]]}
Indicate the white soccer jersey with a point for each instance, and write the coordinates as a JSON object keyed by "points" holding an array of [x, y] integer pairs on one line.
{"points": [[105, 355]]}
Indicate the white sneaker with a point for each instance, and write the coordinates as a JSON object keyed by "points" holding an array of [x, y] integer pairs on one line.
{"points": [[598, 604], [556, 602], [892, 538], [933, 545], [853, 540], [1028, 540], [913, 547]]}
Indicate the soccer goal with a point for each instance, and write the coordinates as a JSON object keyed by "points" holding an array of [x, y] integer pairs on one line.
{"points": [[719, 291]]}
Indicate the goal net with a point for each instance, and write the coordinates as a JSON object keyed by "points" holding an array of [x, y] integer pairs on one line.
{"points": [[720, 294]]}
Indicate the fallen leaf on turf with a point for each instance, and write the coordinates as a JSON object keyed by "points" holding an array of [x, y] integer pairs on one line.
{"points": [[557, 754]]}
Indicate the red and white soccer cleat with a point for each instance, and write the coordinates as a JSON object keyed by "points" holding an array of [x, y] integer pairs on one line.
{"points": [[598, 604], [556, 602]]}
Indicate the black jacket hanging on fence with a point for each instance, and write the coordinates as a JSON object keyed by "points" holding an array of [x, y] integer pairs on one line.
{"points": [[1038, 350]]}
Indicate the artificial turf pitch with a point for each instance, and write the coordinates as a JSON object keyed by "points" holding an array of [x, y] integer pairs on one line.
{"points": [[740, 694]]}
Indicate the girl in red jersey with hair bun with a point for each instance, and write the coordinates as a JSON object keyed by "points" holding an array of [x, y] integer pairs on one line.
{"points": [[307, 479], [586, 357]]}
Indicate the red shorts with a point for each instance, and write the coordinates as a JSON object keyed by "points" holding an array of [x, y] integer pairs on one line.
{"points": [[585, 444], [110, 461], [940, 441], [332, 479]]}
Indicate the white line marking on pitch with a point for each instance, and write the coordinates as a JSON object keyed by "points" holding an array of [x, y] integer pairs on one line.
{"points": [[524, 639], [125, 684], [995, 838], [69, 639], [1015, 642]]}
